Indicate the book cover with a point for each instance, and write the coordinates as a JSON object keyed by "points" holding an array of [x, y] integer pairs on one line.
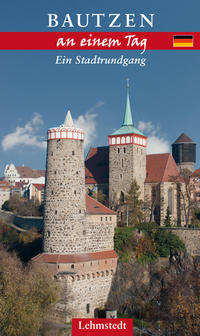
{"points": [[106, 66]]}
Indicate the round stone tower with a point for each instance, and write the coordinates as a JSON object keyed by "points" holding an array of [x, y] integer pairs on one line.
{"points": [[64, 213], [184, 152]]}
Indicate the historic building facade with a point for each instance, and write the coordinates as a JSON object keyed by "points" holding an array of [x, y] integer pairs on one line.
{"points": [[14, 174], [78, 230], [125, 159]]}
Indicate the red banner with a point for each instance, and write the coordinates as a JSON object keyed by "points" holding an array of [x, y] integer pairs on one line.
{"points": [[98, 40], [102, 327]]}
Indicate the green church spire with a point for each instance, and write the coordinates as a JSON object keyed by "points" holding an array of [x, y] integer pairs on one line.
{"points": [[127, 126], [128, 115]]}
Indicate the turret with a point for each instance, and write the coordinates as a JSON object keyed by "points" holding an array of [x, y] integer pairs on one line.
{"points": [[64, 216], [184, 152]]}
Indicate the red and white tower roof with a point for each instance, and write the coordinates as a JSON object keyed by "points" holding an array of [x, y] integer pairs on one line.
{"points": [[66, 130]]}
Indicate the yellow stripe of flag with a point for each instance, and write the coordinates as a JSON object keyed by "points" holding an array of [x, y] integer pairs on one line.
{"points": [[179, 44]]}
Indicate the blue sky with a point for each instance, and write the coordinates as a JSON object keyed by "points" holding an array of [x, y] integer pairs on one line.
{"points": [[36, 93]]}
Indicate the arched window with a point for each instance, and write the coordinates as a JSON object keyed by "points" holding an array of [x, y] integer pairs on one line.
{"points": [[122, 197], [170, 200]]}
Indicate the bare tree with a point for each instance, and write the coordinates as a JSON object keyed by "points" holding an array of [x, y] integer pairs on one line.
{"points": [[186, 192]]}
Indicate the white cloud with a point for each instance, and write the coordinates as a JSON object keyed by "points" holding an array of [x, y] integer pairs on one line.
{"points": [[26, 135], [156, 143], [88, 123]]}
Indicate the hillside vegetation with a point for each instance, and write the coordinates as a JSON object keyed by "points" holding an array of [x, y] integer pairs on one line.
{"points": [[147, 241]]}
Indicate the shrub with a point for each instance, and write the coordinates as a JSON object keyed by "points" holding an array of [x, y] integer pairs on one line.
{"points": [[155, 242], [146, 250], [124, 237], [167, 241]]}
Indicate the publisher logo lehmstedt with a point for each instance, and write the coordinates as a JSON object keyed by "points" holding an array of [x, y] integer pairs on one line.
{"points": [[183, 41]]}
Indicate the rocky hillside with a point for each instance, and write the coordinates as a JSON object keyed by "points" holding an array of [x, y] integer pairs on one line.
{"points": [[147, 291]]}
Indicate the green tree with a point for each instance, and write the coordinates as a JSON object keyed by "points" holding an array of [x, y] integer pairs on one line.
{"points": [[26, 295], [168, 218], [132, 206]]}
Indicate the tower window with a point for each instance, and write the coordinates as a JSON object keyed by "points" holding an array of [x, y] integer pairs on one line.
{"points": [[79, 211], [124, 150], [56, 212], [87, 308], [74, 192], [120, 176], [122, 197], [118, 150], [122, 163], [55, 172], [73, 153], [51, 192]]}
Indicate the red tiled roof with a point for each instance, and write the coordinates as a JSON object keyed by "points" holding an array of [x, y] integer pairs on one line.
{"points": [[196, 173], [20, 184], [38, 186], [160, 167], [26, 172], [183, 138], [94, 207], [97, 166], [74, 258], [4, 185]]}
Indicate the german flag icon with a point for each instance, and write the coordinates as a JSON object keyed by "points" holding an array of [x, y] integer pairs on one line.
{"points": [[183, 41]]}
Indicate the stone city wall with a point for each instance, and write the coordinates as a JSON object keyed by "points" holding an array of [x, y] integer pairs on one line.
{"points": [[191, 238], [100, 232]]}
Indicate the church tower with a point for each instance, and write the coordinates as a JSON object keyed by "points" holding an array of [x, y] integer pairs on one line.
{"points": [[127, 157], [64, 218]]}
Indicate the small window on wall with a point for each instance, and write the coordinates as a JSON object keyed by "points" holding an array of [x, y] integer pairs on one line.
{"points": [[124, 150], [118, 150], [55, 172], [87, 308], [73, 153], [56, 212], [51, 153], [48, 233], [72, 265]]}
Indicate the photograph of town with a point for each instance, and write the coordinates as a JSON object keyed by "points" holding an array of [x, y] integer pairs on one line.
{"points": [[100, 174]]}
